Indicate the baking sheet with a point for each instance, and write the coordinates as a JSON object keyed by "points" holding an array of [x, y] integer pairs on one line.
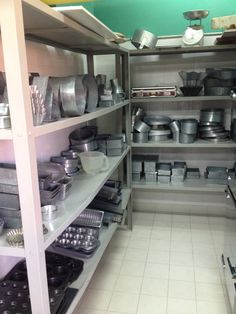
{"points": [[85, 18]]}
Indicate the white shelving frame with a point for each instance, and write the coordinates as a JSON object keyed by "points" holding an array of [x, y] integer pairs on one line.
{"points": [[35, 20]]}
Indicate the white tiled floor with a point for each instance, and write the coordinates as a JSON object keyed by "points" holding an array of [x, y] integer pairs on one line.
{"points": [[168, 264]]}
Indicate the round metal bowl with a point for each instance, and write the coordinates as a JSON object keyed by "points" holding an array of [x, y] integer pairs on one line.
{"points": [[195, 14]]}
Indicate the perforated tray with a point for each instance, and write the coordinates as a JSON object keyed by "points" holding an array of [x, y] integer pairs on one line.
{"points": [[90, 218]]}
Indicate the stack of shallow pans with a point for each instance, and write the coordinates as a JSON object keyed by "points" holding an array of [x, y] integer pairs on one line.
{"points": [[150, 171], [164, 172], [115, 145], [188, 131], [159, 128], [211, 126], [137, 167], [178, 172], [217, 175], [219, 81], [70, 164], [193, 173]]}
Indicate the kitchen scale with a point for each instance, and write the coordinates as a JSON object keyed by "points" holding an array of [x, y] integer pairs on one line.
{"points": [[194, 34]]}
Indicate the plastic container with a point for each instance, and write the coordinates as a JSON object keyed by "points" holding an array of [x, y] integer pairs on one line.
{"points": [[94, 162]]}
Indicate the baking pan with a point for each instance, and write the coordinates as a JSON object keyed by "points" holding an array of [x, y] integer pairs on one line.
{"points": [[8, 174], [90, 85], [11, 217], [114, 151], [188, 126], [212, 115], [158, 138], [137, 163], [82, 135], [10, 201], [4, 109], [72, 154], [136, 176], [150, 177], [217, 91], [85, 147], [150, 163], [159, 132], [143, 39], [50, 169], [141, 127], [9, 189], [157, 120], [214, 134], [164, 168], [163, 179], [66, 185], [73, 95], [49, 212], [222, 73], [90, 218], [187, 138], [216, 82], [193, 173], [115, 141], [140, 137]]}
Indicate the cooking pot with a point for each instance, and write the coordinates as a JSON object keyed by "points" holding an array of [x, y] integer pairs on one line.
{"points": [[143, 39]]}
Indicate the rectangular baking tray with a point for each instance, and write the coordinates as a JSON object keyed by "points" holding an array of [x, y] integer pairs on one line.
{"points": [[90, 218]]}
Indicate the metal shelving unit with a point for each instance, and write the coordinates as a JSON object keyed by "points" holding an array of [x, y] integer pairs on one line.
{"points": [[180, 99], [198, 144], [32, 19]]}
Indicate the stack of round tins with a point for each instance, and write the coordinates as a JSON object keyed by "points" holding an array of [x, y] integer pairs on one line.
{"points": [[159, 128], [140, 134], [83, 139], [211, 126]]}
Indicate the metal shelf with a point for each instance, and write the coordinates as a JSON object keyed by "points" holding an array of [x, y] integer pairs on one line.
{"points": [[6, 134], [90, 265], [125, 197], [179, 50], [197, 144], [68, 122], [197, 185], [45, 25], [84, 189], [180, 99]]}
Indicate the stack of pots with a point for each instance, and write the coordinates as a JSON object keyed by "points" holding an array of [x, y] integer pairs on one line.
{"points": [[140, 134], [188, 131]]}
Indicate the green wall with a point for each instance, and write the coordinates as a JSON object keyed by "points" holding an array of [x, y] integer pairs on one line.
{"points": [[162, 17]]}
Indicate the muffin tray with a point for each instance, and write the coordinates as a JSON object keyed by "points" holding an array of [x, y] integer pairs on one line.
{"points": [[14, 290], [80, 239]]}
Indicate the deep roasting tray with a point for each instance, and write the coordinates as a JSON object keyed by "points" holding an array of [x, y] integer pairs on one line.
{"points": [[90, 218]]}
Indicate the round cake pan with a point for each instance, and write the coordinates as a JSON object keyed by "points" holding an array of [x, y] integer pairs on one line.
{"points": [[188, 126], [92, 92], [81, 136], [217, 91], [140, 137], [212, 115], [160, 132], [49, 212], [90, 146], [158, 138], [187, 138], [141, 127], [143, 39], [157, 120], [214, 134]]}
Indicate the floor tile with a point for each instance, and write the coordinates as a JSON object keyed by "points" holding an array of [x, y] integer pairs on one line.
{"points": [[96, 299], [124, 302], [151, 305], [104, 281], [205, 260], [158, 256], [181, 218], [199, 219], [154, 270], [128, 284], [114, 253], [181, 289], [181, 306], [181, 258], [155, 286], [138, 243], [160, 223], [163, 244], [181, 225], [131, 268], [141, 232], [183, 246], [181, 235], [136, 255], [204, 307], [89, 311], [120, 240], [163, 217], [209, 292], [184, 273], [111, 267], [207, 275], [159, 234]]}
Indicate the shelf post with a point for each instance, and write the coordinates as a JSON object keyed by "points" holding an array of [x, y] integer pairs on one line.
{"points": [[15, 62]]}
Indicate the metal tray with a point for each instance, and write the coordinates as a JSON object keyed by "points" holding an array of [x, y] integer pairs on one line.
{"points": [[90, 218]]}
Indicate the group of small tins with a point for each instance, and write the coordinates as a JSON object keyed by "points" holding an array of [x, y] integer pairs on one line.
{"points": [[158, 128], [148, 169], [14, 289]]}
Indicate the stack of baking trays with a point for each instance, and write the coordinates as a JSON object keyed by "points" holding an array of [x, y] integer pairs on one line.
{"points": [[150, 168], [109, 200], [216, 175], [81, 238], [164, 172], [219, 81], [178, 172], [61, 272], [211, 125]]}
